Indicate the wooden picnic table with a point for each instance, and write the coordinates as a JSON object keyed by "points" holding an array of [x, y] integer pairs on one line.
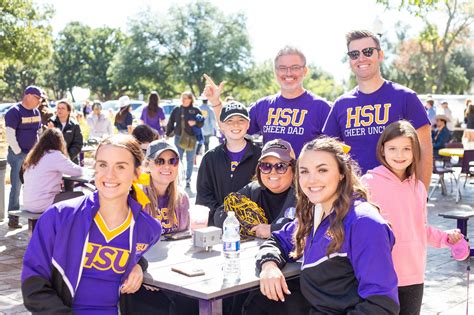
{"points": [[209, 288]]}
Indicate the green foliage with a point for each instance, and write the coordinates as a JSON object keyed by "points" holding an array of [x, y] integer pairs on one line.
{"points": [[104, 44], [323, 84], [25, 45], [191, 40], [429, 63], [72, 56]]}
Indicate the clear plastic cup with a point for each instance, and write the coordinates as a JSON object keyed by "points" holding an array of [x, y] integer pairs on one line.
{"points": [[198, 216]]}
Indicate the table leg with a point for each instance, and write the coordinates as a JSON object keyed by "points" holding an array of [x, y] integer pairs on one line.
{"points": [[458, 189], [207, 307], [462, 226]]}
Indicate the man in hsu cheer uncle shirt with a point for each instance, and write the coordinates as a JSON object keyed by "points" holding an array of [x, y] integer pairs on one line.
{"points": [[359, 117], [293, 114]]}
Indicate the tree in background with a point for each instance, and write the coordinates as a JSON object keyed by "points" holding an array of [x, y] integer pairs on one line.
{"points": [[25, 45], [71, 57], [171, 52], [433, 61]]}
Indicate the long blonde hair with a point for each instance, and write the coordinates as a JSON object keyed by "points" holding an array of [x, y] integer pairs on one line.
{"points": [[348, 189]]}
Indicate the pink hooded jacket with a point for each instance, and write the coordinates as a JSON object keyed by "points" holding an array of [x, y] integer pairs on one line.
{"points": [[403, 205]]}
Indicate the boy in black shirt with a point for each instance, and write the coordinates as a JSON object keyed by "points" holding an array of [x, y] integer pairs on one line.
{"points": [[231, 165]]}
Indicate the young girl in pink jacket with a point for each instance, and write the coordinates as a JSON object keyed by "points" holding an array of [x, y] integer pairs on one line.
{"points": [[394, 187]]}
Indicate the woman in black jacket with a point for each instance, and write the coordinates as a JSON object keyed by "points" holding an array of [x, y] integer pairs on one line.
{"points": [[71, 130], [183, 119]]}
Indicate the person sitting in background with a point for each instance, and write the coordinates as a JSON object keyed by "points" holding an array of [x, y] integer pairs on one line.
{"points": [[153, 115], [100, 126], [441, 135], [145, 135], [43, 169], [446, 111], [124, 119], [229, 166], [272, 190]]}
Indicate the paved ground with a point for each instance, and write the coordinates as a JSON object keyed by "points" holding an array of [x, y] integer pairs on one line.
{"points": [[445, 286]]}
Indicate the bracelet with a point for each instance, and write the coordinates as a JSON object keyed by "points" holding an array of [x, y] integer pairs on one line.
{"points": [[220, 104]]}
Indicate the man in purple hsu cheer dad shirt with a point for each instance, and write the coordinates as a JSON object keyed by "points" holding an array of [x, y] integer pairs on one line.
{"points": [[360, 116], [293, 114], [23, 122]]}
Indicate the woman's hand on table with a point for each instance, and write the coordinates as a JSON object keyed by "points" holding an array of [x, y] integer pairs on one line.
{"points": [[272, 282], [133, 281], [262, 230]]}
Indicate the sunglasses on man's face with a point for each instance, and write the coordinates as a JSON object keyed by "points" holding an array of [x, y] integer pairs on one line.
{"points": [[172, 161], [368, 52], [280, 167]]}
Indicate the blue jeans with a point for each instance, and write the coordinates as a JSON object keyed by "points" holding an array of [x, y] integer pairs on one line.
{"points": [[15, 162], [189, 158]]}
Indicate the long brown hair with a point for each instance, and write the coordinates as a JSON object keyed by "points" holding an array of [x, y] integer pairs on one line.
{"points": [[172, 191], [401, 128], [51, 139], [348, 189], [122, 113], [153, 104]]}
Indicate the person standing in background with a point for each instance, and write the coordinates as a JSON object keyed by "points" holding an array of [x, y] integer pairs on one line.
{"points": [[431, 111], [71, 130], [153, 115], [210, 125], [100, 125], [446, 111], [22, 122]]}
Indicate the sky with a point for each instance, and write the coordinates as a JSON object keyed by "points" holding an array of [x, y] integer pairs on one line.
{"points": [[317, 27]]}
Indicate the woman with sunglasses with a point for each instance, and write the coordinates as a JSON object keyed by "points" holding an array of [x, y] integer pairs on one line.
{"points": [[272, 188], [168, 204], [86, 254]]}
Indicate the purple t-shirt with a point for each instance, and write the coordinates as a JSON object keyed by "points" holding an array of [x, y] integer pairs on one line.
{"points": [[296, 120], [236, 157], [27, 123], [359, 119], [155, 121], [105, 262], [163, 215]]}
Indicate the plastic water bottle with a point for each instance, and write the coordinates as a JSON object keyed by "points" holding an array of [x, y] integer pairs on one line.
{"points": [[231, 240]]}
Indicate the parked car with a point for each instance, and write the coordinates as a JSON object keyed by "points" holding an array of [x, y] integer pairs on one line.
{"points": [[114, 105], [4, 107]]}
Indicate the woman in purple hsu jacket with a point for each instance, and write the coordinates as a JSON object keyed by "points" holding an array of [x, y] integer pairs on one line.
{"points": [[344, 243], [85, 255]]}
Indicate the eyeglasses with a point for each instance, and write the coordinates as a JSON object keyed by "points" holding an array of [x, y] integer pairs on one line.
{"points": [[293, 69], [280, 167], [368, 52], [172, 161]]}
